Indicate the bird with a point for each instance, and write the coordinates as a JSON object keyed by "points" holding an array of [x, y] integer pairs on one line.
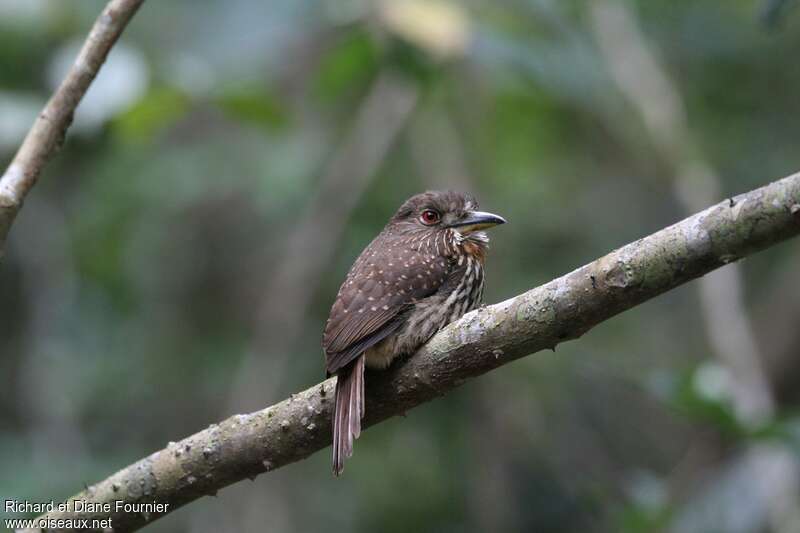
{"points": [[423, 271]]}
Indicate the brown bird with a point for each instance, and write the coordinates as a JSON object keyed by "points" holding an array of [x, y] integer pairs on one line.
{"points": [[423, 271]]}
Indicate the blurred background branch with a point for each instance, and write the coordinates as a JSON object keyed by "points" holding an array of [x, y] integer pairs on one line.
{"points": [[646, 86]]}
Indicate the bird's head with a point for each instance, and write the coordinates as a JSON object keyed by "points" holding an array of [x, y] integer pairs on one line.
{"points": [[444, 211]]}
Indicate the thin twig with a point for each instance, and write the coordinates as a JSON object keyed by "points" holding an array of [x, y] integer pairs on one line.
{"points": [[49, 129], [247, 445]]}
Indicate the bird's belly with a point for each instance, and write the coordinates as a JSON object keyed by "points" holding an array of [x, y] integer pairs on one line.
{"points": [[428, 317], [381, 355], [404, 342]]}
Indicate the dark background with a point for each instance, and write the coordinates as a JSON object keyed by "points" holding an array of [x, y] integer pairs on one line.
{"points": [[177, 261]]}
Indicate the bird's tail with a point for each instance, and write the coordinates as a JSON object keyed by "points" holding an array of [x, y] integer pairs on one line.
{"points": [[348, 412]]}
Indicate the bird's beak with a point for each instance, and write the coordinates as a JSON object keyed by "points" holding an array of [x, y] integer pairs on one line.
{"points": [[476, 221]]}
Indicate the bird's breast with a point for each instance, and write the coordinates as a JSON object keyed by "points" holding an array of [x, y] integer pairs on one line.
{"points": [[461, 294]]}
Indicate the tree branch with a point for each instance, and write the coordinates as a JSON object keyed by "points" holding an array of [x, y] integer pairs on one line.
{"points": [[247, 445], [47, 133], [647, 87]]}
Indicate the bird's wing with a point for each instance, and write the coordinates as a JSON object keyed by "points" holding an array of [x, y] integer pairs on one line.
{"points": [[382, 283]]}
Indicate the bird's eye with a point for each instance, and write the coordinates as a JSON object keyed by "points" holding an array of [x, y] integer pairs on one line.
{"points": [[429, 217]]}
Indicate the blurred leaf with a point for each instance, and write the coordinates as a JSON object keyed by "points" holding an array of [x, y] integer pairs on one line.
{"points": [[639, 519], [159, 109], [253, 105], [413, 61], [21, 57], [527, 128], [691, 400], [101, 257], [348, 65]]}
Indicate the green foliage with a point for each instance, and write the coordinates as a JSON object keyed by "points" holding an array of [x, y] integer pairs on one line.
{"points": [[160, 109], [638, 519], [253, 105], [347, 66], [718, 412]]}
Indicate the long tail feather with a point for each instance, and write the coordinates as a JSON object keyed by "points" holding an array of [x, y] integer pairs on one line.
{"points": [[348, 412]]}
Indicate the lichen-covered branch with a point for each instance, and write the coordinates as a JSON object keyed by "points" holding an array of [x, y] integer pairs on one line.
{"points": [[247, 445], [47, 133]]}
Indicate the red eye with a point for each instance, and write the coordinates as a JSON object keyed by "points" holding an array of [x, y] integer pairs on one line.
{"points": [[429, 216]]}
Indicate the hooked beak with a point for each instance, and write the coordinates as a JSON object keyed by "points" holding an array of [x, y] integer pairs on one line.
{"points": [[476, 221]]}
